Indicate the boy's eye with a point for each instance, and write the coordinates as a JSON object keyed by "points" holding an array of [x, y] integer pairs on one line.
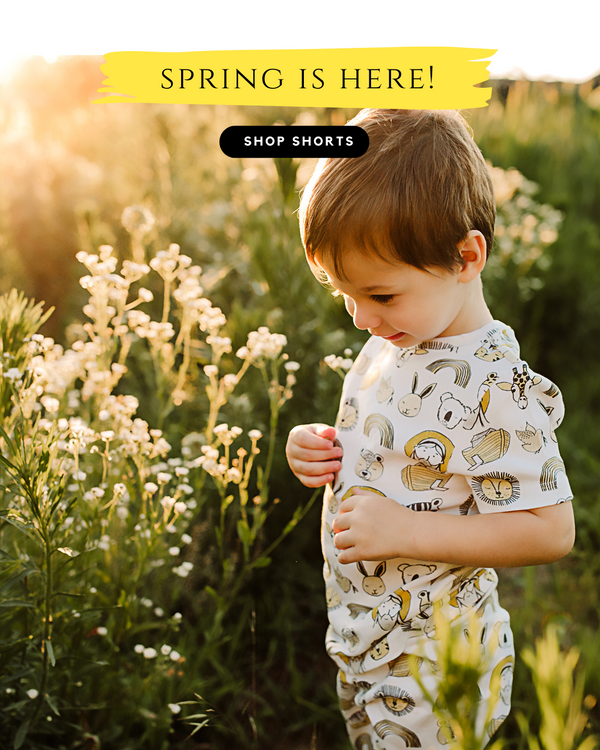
{"points": [[383, 299]]}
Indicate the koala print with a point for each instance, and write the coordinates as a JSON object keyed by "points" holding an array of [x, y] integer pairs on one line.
{"points": [[411, 573], [452, 412]]}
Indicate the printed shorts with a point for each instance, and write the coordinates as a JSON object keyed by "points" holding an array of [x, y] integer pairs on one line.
{"points": [[385, 708]]}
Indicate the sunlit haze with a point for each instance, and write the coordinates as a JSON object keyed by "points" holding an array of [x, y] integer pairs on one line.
{"points": [[554, 41]]}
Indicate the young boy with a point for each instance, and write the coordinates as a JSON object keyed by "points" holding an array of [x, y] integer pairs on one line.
{"points": [[439, 415]]}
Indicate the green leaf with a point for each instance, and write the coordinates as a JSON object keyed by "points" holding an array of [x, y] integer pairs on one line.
{"points": [[244, 532], [23, 527], [52, 705], [21, 734], [51, 653], [19, 576], [261, 562], [15, 603], [43, 461]]}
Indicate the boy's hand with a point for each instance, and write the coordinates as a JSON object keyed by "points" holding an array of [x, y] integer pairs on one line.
{"points": [[372, 527], [311, 454]]}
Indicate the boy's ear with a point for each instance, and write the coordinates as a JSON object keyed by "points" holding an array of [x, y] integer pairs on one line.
{"points": [[474, 255]]}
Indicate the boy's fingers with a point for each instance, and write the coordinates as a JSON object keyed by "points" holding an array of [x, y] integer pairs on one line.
{"points": [[318, 481], [317, 433], [340, 524], [348, 556], [310, 441], [325, 431], [343, 540], [347, 504], [315, 468], [312, 456]]}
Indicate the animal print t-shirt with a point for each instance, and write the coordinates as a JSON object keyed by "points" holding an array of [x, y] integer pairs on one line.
{"points": [[455, 425]]}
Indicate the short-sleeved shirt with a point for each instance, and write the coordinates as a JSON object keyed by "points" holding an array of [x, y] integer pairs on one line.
{"points": [[460, 425]]}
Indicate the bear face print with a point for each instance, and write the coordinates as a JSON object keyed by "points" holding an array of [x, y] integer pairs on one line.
{"points": [[369, 465]]}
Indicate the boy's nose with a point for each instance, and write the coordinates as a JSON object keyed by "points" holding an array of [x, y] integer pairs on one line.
{"points": [[364, 317]]}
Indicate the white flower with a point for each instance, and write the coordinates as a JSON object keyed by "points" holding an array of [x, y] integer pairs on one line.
{"points": [[165, 650], [185, 488], [292, 366], [181, 571], [33, 693], [50, 404], [145, 295], [151, 487], [167, 502], [146, 602], [13, 374], [263, 343], [138, 648], [162, 477], [175, 656], [337, 363], [137, 218], [180, 507], [159, 611], [174, 551], [255, 434], [234, 475], [209, 370], [175, 708], [101, 630], [177, 617], [187, 565], [104, 543], [186, 539], [149, 653]]}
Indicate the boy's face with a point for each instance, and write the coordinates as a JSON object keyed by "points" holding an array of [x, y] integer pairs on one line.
{"points": [[401, 303]]}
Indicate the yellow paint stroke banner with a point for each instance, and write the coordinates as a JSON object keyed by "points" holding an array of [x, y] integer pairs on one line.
{"points": [[394, 77]]}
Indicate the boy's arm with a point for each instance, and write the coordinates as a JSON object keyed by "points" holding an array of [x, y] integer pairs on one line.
{"points": [[371, 527]]}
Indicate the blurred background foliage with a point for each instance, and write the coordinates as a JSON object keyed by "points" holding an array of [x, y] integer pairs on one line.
{"points": [[69, 169]]}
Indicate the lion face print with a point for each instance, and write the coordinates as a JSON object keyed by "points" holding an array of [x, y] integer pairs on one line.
{"points": [[497, 488]]}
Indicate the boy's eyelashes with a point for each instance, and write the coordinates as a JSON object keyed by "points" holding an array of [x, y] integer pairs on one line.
{"points": [[382, 299]]}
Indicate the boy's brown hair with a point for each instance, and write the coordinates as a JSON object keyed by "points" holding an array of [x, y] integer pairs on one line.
{"points": [[413, 196]]}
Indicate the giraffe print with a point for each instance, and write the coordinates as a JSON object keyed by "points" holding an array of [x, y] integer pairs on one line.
{"points": [[521, 383]]}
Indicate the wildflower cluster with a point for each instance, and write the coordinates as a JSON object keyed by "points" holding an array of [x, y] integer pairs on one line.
{"points": [[524, 229], [338, 364], [99, 506]]}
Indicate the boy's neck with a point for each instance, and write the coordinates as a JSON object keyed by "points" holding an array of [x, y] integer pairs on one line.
{"points": [[475, 313]]}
